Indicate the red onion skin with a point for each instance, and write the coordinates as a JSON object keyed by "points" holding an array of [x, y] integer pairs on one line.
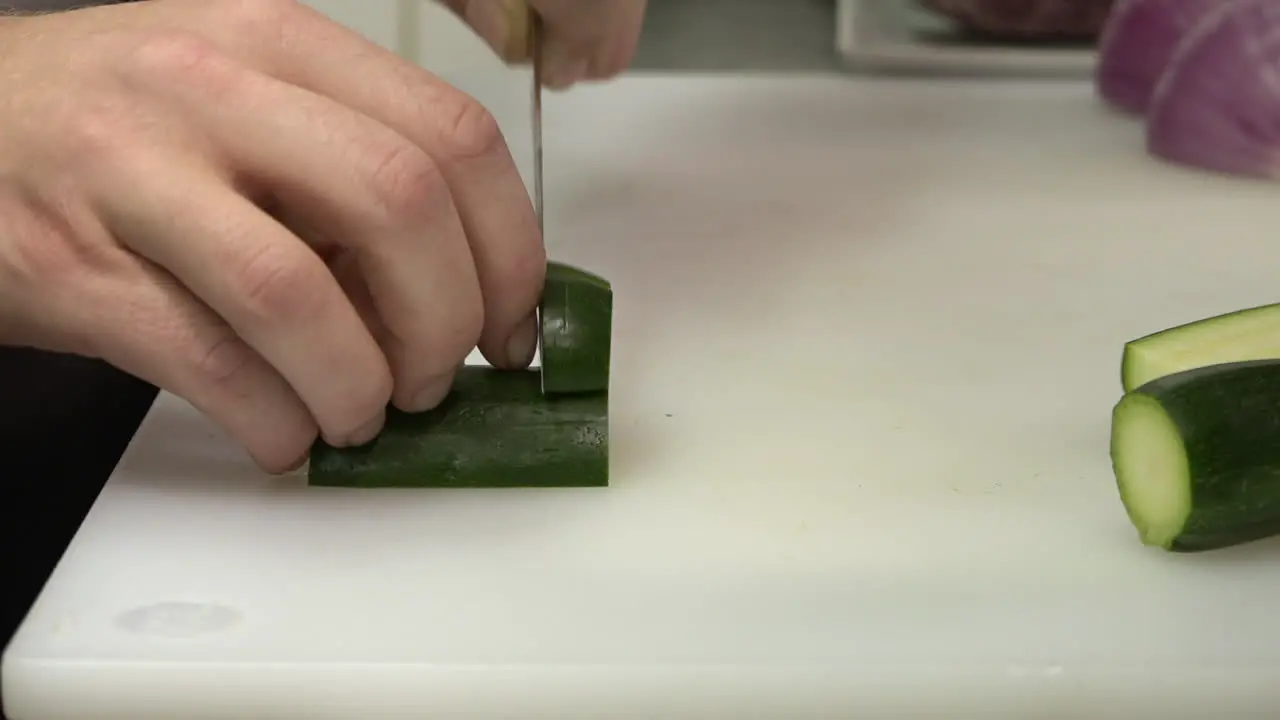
{"points": [[1217, 107], [1137, 44]]}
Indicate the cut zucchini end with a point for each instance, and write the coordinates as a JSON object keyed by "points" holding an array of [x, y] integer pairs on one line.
{"points": [[1131, 377], [576, 325], [1152, 474], [1242, 335], [1144, 360]]}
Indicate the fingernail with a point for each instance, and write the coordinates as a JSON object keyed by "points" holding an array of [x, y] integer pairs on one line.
{"points": [[367, 432], [430, 395], [566, 75], [293, 467], [363, 434], [523, 343], [296, 466]]}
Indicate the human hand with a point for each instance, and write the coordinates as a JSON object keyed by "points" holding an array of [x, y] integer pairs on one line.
{"points": [[254, 208], [585, 39]]}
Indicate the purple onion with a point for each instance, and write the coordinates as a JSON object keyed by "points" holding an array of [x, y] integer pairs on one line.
{"points": [[1137, 44], [1217, 106]]}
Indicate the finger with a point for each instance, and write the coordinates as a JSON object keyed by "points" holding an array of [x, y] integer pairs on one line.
{"points": [[615, 53], [81, 293], [583, 23], [564, 64], [462, 138], [345, 266], [502, 24], [144, 322], [270, 288], [593, 41], [324, 165]]}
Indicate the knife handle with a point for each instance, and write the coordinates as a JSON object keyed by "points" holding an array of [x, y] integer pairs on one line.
{"points": [[520, 28]]}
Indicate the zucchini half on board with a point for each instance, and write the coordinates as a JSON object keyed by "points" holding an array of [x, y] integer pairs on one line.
{"points": [[545, 427], [1197, 456]]}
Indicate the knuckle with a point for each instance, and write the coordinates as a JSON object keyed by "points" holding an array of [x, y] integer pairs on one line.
{"points": [[468, 129], [276, 286], [222, 360], [35, 261], [97, 134], [171, 54], [406, 181], [39, 252], [264, 19], [171, 59]]}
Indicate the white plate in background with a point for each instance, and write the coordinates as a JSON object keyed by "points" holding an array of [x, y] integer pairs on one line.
{"points": [[900, 36]]}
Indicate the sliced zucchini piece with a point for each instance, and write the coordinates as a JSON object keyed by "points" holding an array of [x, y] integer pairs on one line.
{"points": [[495, 429], [1252, 334], [577, 326], [1196, 456]]}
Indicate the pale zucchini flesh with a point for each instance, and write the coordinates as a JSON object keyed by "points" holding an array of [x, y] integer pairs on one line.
{"points": [[1151, 469], [1251, 334]]}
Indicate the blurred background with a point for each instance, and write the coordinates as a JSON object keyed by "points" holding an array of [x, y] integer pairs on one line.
{"points": [[982, 37], [922, 38]]}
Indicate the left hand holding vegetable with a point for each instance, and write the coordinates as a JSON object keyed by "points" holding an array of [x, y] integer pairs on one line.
{"points": [[585, 39]]}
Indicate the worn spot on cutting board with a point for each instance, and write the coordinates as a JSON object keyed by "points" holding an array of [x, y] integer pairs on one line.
{"points": [[178, 619]]}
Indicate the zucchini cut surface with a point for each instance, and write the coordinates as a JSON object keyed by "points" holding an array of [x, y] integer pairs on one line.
{"points": [[576, 316], [1151, 469]]}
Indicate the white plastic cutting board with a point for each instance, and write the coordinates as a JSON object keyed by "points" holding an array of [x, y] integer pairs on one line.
{"points": [[866, 346]]}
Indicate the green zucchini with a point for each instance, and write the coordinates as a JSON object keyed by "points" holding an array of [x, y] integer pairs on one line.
{"points": [[1252, 334], [495, 429], [1196, 456], [577, 325], [547, 427]]}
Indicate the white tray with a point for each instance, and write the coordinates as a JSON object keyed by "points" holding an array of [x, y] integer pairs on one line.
{"points": [[898, 36]]}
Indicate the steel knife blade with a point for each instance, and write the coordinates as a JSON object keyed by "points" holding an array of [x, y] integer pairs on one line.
{"points": [[535, 52]]}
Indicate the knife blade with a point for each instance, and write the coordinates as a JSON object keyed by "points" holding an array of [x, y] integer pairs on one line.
{"points": [[535, 52]]}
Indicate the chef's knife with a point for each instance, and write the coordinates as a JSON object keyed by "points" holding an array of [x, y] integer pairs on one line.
{"points": [[535, 51], [524, 40]]}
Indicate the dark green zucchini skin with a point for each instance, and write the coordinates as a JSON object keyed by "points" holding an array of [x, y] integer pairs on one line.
{"points": [[494, 430], [1229, 418], [577, 326]]}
